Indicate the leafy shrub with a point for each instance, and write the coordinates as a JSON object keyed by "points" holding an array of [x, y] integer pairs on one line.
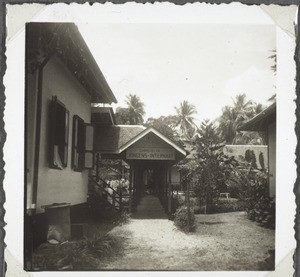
{"points": [[175, 204], [259, 206], [77, 255], [263, 212], [227, 205], [181, 217], [122, 218]]}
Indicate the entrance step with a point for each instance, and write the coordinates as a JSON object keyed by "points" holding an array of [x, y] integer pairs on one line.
{"points": [[150, 207]]}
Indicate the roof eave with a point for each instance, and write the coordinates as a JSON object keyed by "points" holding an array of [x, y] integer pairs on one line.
{"points": [[147, 131], [260, 121], [63, 36]]}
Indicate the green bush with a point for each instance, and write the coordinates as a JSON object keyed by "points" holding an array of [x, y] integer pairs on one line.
{"points": [[77, 255], [226, 206], [122, 218], [263, 212], [259, 206], [175, 204], [181, 219]]}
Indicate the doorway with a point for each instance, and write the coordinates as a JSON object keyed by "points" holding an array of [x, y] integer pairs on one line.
{"points": [[149, 181]]}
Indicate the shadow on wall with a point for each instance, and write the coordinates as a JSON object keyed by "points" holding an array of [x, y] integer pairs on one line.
{"points": [[255, 154]]}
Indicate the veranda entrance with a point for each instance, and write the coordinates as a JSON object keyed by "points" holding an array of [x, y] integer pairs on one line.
{"points": [[150, 178], [150, 157]]}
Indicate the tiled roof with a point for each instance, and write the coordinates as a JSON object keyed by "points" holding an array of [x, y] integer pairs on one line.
{"points": [[109, 139]]}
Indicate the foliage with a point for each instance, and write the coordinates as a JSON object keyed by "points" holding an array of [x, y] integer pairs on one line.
{"points": [[210, 168], [110, 169], [251, 158], [76, 255], [122, 116], [136, 109], [273, 57], [208, 132], [235, 116], [134, 112], [254, 191], [165, 125], [184, 219], [226, 205], [262, 161], [263, 212], [175, 204], [248, 156], [185, 119], [123, 218]]}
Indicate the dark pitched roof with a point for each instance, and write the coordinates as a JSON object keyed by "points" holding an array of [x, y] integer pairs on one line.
{"points": [[260, 121], [153, 131], [64, 39], [116, 138], [109, 139]]}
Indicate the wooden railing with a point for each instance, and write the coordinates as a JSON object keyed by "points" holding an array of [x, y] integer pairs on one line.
{"points": [[117, 199]]}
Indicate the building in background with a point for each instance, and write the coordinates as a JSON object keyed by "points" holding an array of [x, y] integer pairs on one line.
{"points": [[266, 122]]}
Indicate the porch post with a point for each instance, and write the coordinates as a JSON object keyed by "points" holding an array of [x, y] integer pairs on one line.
{"points": [[170, 191], [97, 167], [130, 189]]}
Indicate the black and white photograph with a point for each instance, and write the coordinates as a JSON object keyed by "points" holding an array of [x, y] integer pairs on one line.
{"points": [[150, 138]]}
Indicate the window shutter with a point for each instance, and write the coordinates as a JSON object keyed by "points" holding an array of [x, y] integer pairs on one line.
{"points": [[78, 146], [89, 146]]}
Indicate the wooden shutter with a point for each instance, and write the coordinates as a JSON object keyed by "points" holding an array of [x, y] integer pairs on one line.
{"points": [[89, 146], [78, 139]]}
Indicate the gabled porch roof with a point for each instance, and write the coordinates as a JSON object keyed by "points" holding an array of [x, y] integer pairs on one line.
{"points": [[115, 139]]}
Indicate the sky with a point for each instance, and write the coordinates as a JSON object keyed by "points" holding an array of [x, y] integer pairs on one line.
{"points": [[205, 54], [165, 64]]}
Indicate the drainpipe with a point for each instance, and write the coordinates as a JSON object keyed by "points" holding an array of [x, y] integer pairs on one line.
{"points": [[38, 132], [30, 221]]}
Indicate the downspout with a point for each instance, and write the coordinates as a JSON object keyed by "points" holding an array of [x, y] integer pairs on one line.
{"points": [[38, 132], [40, 64], [30, 221]]}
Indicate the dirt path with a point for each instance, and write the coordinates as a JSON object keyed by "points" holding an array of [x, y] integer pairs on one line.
{"points": [[221, 242]]}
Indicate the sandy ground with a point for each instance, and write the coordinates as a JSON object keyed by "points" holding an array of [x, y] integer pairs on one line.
{"points": [[221, 242]]}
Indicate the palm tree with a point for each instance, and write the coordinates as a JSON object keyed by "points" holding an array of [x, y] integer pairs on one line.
{"points": [[185, 119], [242, 106], [234, 116], [227, 124], [136, 109]]}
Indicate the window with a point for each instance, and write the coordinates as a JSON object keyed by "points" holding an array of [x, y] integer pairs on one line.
{"points": [[82, 145], [59, 133]]}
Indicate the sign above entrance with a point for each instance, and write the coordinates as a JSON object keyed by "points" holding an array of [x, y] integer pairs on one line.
{"points": [[150, 154]]}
